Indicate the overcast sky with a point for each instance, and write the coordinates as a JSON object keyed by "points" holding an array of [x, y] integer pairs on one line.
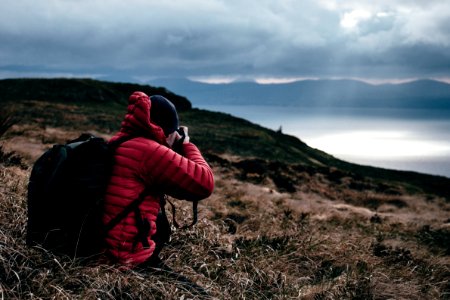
{"points": [[229, 39]]}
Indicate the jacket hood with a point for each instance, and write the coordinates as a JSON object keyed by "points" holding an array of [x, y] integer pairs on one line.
{"points": [[137, 120]]}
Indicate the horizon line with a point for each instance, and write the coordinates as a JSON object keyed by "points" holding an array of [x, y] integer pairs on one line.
{"points": [[286, 80]]}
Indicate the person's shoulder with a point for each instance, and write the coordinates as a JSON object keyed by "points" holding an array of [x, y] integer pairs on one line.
{"points": [[142, 142]]}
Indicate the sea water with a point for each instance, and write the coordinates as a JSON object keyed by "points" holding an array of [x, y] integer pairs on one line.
{"points": [[402, 139]]}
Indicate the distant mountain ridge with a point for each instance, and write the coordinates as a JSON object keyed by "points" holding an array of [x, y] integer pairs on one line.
{"points": [[423, 94]]}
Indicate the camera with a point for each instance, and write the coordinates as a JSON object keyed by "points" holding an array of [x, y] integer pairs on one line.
{"points": [[181, 132], [177, 146]]}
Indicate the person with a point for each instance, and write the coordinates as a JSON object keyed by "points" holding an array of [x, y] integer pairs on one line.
{"points": [[147, 166]]}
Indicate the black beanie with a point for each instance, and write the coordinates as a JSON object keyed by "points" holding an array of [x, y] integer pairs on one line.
{"points": [[164, 114]]}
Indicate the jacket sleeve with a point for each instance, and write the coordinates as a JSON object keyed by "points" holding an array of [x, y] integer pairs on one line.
{"points": [[183, 177]]}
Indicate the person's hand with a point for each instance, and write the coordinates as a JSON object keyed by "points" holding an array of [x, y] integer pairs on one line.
{"points": [[173, 138], [177, 138], [186, 136]]}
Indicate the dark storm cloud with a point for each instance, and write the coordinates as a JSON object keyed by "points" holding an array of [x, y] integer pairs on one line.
{"points": [[227, 38]]}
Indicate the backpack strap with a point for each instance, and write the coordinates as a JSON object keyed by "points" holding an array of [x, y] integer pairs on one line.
{"points": [[116, 143], [133, 205], [128, 209], [143, 226], [174, 221]]}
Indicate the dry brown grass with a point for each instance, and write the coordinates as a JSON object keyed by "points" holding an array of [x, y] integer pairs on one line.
{"points": [[333, 238]]}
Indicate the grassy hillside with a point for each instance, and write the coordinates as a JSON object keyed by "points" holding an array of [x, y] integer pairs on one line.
{"points": [[285, 221], [80, 91], [217, 133]]}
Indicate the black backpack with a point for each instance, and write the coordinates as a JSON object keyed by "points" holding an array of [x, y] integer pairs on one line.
{"points": [[65, 200], [65, 196]]}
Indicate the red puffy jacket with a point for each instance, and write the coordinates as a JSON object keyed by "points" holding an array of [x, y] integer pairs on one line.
{"points": [[147, 162]]}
